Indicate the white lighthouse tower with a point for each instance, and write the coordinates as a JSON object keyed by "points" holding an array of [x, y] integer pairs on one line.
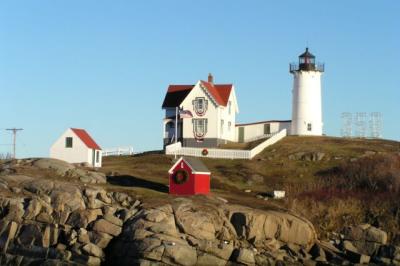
{"points": [[307, 105]]}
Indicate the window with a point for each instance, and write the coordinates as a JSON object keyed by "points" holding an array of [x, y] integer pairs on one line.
{"points": [[230, 107], [200, 105], [309, 126], [229, 126], [68, 142], [97, 156], [222, 126], [199, 127], [267, 129], [170, 125]]}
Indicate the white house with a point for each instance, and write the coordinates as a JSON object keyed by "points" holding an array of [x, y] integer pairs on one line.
{"points": [[207, 114], [77, 146]]}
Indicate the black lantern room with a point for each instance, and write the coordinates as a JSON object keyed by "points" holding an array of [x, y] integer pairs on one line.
{"points": [[306, 63]]}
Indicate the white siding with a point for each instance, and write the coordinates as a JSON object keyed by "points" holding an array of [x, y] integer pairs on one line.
{"points": [[228, 117], [252, 131]]}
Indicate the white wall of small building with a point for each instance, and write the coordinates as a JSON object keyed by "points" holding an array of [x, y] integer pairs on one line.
{"points": [[90, 159], [255, 130], [79, 153]]}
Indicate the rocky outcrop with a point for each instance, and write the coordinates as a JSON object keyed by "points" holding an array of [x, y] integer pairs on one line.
{"points": [[57, 167], [188, 233], [52, 222], [307, 156]]}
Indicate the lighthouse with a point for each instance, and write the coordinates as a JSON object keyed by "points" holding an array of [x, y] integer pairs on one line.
{"points": [[306, 104]]}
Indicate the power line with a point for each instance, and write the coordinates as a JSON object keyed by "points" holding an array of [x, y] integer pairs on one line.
{"points": [[14, 131]]}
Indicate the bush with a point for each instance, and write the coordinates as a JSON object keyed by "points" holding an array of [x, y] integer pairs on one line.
{"points": [[378, 173]]}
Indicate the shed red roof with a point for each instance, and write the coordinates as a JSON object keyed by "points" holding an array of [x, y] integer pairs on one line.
{"points": [[86, 138], [177, 93]]}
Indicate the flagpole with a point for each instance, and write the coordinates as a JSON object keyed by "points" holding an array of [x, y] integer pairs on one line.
{"points": [[176, 124], [176, 127]]}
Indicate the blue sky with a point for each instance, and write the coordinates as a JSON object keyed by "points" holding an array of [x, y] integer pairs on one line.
{"points": [[105, 65]]}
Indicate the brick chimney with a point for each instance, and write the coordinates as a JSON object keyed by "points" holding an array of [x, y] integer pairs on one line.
{"points": [[210, 78]]}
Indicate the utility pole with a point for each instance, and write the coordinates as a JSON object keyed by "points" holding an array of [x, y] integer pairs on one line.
{"points": [[14, 131]]}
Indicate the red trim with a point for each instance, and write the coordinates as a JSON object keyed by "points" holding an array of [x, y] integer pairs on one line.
{"points": [[86, 138]]}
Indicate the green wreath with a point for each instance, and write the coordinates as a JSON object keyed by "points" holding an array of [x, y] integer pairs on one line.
{"points": [[180, 176], [204, 152]]}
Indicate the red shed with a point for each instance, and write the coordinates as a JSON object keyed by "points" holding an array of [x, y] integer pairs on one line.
{"points": [[189, 176]]}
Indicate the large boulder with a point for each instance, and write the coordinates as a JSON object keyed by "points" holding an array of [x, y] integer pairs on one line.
{"points": [[258, 225], [202, 223], [104, 226], [246, 257], [61, 167], [366, 238]]}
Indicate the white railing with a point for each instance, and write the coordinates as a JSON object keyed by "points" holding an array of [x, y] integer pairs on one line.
{"points": [[264, 136], [172, 148], [118, 151], [177, 149], [215, 153], [272, 140]]}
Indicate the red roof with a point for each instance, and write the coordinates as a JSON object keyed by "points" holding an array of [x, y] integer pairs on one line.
{"points": [[220, 92], [86, 138], [177, 93]]}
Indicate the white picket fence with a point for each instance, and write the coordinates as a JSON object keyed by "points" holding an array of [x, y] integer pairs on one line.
{"points": [[118, 151], [272, 140], [264, 136], [177, 149]]}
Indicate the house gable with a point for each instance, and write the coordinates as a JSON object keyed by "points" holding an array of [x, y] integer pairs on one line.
{"points": [[76, 141], [196, 166], [198, 91]]}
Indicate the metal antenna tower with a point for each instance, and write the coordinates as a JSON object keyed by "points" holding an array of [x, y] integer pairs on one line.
{"points": [[347, 122], [14, 131], [360, 123], [375, 125]]}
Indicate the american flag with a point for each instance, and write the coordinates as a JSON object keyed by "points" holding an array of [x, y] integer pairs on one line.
{"points": [[185, 114]]}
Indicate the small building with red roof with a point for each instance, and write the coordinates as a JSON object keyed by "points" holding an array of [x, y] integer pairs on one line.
{"points": [[200, 115], [77, 146], [189, 176]]}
